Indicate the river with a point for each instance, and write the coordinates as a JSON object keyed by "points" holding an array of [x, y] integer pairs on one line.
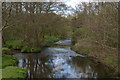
{"points": [[61, 62]]}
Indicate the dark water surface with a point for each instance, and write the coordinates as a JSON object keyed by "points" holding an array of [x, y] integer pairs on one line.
{"points": [[54, 62]]}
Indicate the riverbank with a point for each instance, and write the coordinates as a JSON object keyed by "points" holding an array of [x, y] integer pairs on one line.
{"points": [[48, 60], [104, 55], [19, 45], [12, 47], [61, 62], [9, 69]]}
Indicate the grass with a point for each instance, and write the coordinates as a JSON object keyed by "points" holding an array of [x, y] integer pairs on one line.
{"points": [[85, 50], [13, 72], [111, 61], [81, 33], [0, 74], [9, 69], [51, 39], [5, 49], [0, 61], [19, 44], [15, 44], [83, 46], [26, 49], [106, 55], [8, 60]]}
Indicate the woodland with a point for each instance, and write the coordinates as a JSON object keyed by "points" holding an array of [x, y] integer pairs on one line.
{"points": [[30, 27]]}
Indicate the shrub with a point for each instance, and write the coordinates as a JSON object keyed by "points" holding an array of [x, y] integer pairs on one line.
{"points": [[81, 33], [8, 60], [51, 39], [13, 72], [15, 44], [5, 48], [27, 49], [36, 49]]}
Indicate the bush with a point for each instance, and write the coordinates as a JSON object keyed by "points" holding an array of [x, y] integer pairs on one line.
{"points": [[51, 39], [5, 49], [36, 49], [15, 44], [8, 60], [13, 72], [81, 33], [27, 49]]}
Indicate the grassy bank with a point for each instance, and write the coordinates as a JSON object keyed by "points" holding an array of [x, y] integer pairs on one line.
{"points": [[18, 44], [13, 72], [9, 69], [104, 55], [8, 60], [92, 44]]}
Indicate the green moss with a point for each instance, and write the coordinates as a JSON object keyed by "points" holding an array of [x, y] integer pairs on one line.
{"points": [[0, 73], [26, 49], [36, 49], [8, 60], [15, 44], [8, 67], [13, 72], [5, 49], [51, 39]]}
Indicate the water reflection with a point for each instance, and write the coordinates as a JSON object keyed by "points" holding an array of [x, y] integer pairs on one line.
{"points": [[60, 67]]}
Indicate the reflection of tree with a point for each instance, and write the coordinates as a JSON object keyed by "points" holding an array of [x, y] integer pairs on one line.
{"points": [[83, 65], [102, 70], [45, 71], [36, 66]]}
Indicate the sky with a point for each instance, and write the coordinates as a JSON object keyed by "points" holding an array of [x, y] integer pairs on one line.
{"points": [[73, 3]]}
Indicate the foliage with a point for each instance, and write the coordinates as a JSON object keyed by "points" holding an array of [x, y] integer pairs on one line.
{"points": [[29, 49], [13, 72], [8, 67], [15, 44], [26, 49], [36, 49], [96, 31], [5, 48], [83, 46], [18, 44], [31, 25], [81, 33], [51, 39], [8, 60]]}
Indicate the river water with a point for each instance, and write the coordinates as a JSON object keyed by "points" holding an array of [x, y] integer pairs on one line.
{"points": [[57, 62]]}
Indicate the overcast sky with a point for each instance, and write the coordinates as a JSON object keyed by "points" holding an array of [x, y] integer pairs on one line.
{"points": [[73, 3]]}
